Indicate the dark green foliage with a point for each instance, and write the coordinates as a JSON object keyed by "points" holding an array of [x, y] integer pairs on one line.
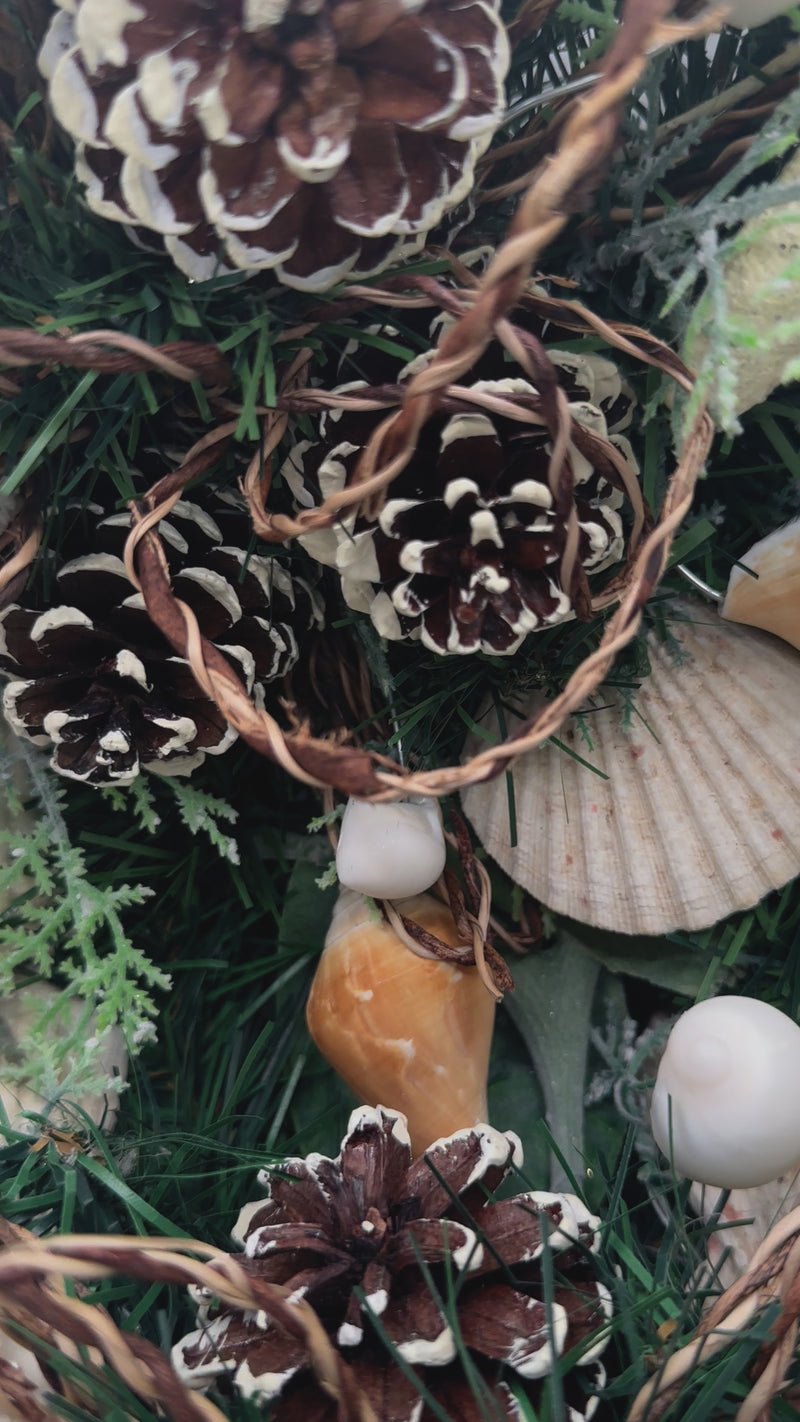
{"points": [[195, 906]]}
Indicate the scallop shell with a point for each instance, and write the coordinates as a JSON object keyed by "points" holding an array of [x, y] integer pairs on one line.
{"points": [[771, 599], [403, 1031], [700, 813]]}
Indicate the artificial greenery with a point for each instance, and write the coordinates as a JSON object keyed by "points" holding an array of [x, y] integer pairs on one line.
{"points": [[191, 913]]}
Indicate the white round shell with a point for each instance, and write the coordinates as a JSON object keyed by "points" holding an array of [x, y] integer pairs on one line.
{"points": [[390, 851], [726, 1105]]}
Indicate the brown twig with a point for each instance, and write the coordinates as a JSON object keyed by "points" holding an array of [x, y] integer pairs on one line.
{"points": [[114, 352], [28, 1269], [471, 909], [773, 1275], [560, 188]]}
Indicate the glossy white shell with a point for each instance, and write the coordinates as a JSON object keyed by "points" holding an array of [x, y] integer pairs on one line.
{"points": [[726, 1105], [696, 810], [390, 851]]}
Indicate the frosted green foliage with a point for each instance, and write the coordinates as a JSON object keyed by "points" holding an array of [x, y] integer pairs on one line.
{"points": [[330, 817], [686, 251], [328, 879], [57, 923], [582, 728], [200, 811], [136, 798], [738, 340], [602, 19]]}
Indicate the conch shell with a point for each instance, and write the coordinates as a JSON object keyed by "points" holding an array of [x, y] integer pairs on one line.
{"points": [[403, 1031], [771, 599]]}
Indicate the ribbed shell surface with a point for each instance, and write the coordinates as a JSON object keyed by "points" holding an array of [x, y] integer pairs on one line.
{"points": [[700, 812]]}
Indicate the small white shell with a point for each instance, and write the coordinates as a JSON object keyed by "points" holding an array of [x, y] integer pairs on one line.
{"points": [[725, 1106], [696, 810], [390, 851]]}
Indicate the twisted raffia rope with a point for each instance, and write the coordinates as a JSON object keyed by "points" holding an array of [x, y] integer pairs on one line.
{"points": [[556, 192], [21, 559], [558, 189], [26, 1270], [773, 1275], [114, 352]]}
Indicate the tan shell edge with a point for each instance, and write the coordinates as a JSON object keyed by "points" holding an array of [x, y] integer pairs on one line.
{"points": [[700, 815]]}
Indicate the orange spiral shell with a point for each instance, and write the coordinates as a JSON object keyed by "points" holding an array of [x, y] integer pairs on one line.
{"points": [[404, 1031]]}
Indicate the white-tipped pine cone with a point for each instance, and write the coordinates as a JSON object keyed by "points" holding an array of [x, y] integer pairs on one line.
{"points": [[316, 137], [372, 1241], [95, 681], [466, 554]]}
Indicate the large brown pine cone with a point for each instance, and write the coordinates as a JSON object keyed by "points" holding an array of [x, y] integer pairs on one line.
{"points": [[93, 677], [315, 137], [466, 554], [373, 1225]]}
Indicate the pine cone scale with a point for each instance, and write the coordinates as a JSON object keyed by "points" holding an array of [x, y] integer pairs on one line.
{"points": [[30, 639], [251, 91], [429, 178], [245, 188], [391, 1230], [315, 133], [585, 1310], [279, 1240], [394, 1397], [416, 79], [369, 193], [417, 1328], [299, 1195], [476, 1160], [512, 1328], [359, 23], [457, 1398], [467, 554], [434, 1241], [96, 678], [375, 1165], [268, 1352]]}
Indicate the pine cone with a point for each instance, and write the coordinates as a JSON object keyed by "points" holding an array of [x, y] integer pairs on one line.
{"points": [[312, 138], [96, 679], [372, 1224], [466, 554]]}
